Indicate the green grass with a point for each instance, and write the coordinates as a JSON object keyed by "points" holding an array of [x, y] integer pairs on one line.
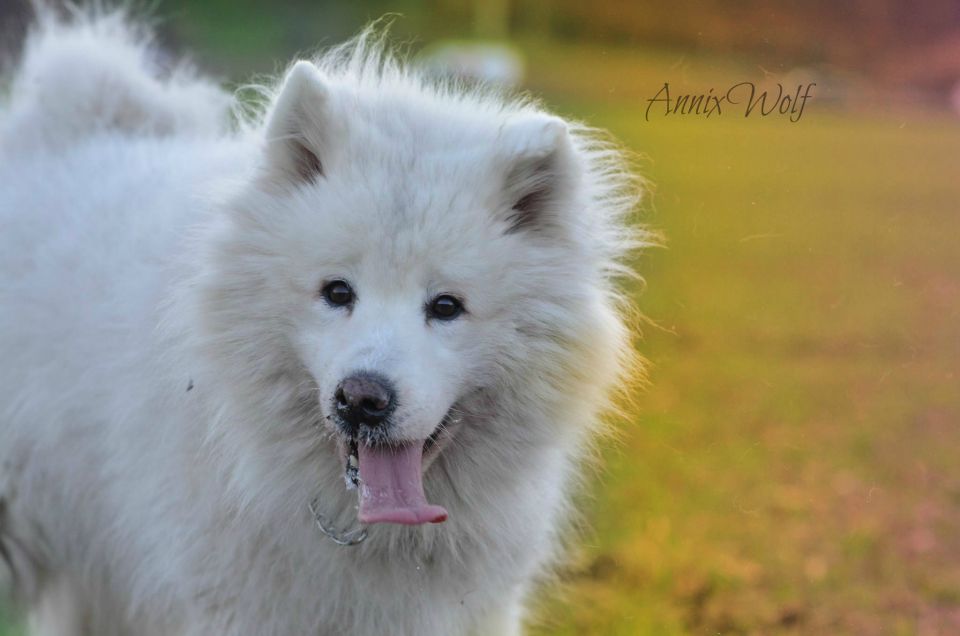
{"points": [[792, 467], [8, 626]]}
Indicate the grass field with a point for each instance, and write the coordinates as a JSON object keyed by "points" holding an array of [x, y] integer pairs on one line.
{"points": [[793, 466]]}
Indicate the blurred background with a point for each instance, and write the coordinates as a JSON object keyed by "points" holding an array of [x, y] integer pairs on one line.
{"points": [[792, 467]]}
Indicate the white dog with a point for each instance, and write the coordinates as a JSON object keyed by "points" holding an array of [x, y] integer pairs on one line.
{"points": [[228, 349]]}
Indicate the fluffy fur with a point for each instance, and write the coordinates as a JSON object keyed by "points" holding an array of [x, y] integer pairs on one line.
{"points": [[167, 361]]}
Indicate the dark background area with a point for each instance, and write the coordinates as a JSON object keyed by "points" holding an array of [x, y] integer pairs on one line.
{"points": [[895, 44]]}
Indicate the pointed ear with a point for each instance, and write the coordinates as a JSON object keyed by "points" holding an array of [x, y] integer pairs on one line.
{"points": [[298, 130], [540, 174]]}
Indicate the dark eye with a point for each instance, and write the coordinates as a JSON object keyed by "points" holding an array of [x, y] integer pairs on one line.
{"points": [[444, 307], [338, 293]]}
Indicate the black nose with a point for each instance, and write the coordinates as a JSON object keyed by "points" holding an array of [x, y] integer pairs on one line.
{"points": [[364, 399]]}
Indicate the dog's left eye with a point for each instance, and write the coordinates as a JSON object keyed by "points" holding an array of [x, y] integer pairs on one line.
{"points": [[444, 307], [338, 293]]}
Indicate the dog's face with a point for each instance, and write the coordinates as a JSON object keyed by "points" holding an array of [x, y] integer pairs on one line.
{"points": [[409, 258]]}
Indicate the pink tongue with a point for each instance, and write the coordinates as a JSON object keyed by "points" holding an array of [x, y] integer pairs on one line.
{"points": [[391, 486]]}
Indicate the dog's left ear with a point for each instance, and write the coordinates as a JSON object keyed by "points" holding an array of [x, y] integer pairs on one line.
{"points": [[540, 170], [298, 131]]}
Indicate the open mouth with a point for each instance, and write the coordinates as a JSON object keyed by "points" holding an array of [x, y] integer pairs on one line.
{"points": [[389, 477]]}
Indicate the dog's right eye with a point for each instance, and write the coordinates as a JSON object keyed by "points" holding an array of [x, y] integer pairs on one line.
{"points": [[338, 293]]}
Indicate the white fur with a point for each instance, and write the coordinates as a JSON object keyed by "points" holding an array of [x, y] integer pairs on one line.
{"points": [[146, 249]]}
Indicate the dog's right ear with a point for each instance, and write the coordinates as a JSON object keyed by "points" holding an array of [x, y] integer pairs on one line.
{"points": [[297, 131], [540, 176]]}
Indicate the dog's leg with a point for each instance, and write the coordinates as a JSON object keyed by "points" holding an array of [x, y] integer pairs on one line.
{"points": [[57, 612], [503, 621]]}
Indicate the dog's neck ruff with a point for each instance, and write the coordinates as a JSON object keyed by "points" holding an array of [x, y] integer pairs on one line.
{"points": [[352, 537]]}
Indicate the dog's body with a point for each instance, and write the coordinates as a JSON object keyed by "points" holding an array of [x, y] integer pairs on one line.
{"points": [[172, 337]]}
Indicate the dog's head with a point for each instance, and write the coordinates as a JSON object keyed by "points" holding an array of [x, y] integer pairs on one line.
{"points": [[404, 253]]}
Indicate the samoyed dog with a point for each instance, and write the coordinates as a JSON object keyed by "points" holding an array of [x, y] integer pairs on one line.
{"points": [[331, 367]]}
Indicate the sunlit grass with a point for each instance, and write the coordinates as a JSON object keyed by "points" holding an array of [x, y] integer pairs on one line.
{"points": [[790, 468]]}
